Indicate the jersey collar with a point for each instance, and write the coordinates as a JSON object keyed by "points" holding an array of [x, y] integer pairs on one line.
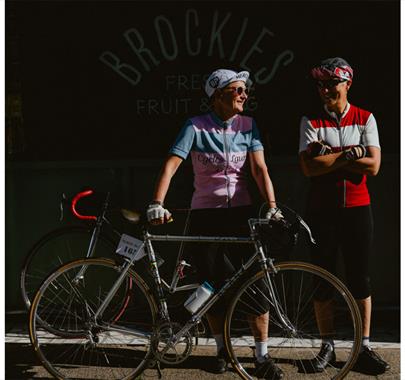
{"points": [[221, 123], [333, 114]]}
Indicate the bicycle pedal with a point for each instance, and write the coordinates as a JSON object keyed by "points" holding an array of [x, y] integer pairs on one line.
{"points": [[151, 363]]}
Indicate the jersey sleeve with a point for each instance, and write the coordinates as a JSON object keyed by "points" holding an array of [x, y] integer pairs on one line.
{"points": [[308, 134], [184, 141], [255, 142], [369, 136]]}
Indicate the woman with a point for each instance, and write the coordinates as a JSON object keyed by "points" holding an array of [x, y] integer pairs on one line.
{"points": [[223, 146]]}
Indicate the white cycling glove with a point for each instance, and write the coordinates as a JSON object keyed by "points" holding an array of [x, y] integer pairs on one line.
{"points": [[274, 213], [156, 211]]}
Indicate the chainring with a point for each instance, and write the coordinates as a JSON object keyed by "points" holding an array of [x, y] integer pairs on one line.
{"points": [[165, 350]]}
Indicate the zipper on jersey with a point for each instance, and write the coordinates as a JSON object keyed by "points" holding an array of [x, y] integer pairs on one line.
{"points": [[341, 148], [226, 151]]}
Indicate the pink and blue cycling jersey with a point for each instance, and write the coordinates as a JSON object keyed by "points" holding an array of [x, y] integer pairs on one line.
{"points": [[219, 156]]}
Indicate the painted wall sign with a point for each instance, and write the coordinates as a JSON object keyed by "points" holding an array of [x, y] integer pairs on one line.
{"points": [[146, 58], [118, 79]]}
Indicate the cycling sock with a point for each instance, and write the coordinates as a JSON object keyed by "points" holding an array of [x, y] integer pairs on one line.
{"points": [[328, 341], [365, 342], [261, 350], [219, 340]]}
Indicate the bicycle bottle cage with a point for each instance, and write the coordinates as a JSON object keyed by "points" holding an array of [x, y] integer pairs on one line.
{"points": [[76, 199]]}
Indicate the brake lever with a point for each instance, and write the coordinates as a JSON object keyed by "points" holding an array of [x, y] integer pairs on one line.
{"points": [[62, 202], [306, 227]]}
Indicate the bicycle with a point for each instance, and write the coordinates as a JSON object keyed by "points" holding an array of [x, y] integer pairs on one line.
{"points": [[64, 244], [81, 298]]}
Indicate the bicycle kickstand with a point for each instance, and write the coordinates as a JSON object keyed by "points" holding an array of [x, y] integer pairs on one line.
{"points": [[155, 363], [158, 369]]}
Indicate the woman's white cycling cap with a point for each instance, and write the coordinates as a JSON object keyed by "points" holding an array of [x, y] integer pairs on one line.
{"points": [[222, 77]]}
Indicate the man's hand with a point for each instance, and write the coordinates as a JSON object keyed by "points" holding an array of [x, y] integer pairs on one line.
{"points": [[274, 213], [318, 148], [157, 214], [355, 152]]}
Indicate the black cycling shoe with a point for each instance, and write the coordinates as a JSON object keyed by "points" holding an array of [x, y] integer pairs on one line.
{"points": [[370, 363], [221, 362], [325, 357], [268, 369]]}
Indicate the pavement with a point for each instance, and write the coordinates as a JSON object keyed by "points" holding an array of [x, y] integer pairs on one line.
{"points": [[21, 362]]}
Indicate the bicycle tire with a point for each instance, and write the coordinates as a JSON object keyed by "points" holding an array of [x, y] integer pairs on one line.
{"points": [[108, 350], [293, 350], [54, 249]]}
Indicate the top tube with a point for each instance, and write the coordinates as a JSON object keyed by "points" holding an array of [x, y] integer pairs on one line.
{"points": [[211, 239]]}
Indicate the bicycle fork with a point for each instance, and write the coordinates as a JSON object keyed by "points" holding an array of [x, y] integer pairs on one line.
{"points": [[267, 267]]}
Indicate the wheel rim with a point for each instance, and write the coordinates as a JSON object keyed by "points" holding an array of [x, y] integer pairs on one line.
{"points": [[294, 351], [57, 248], [107, 352]]}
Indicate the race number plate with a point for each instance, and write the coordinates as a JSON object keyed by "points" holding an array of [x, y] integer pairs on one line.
{"points": [[130, 247]]}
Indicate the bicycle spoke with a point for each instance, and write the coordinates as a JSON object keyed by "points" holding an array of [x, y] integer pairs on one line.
{"points": [[293, 347], [101, 350]]}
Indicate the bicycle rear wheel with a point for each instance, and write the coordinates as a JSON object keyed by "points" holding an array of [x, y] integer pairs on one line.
{"points": [[54, 249], [86, 348], [294, 347]]}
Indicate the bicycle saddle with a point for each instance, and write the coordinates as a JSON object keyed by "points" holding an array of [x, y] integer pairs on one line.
{"points": [[130, 215]]}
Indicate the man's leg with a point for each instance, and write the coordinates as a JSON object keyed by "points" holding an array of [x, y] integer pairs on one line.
{"points": [[357, 249], [324, 312], [365, 311], [324, 254]]}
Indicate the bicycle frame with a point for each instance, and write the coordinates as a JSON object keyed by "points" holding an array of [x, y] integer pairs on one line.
{"points": [[265, 263]]}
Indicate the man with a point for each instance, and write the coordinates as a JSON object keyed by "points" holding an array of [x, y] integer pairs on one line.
{"points": [[339, 148]]}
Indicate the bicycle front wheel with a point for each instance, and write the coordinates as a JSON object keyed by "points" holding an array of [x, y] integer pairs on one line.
{"points": [[309, 304], [90, 347], [54, 249]]}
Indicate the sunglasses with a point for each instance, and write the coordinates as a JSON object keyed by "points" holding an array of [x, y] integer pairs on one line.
{"points": [[328, 83], [240, 90]]}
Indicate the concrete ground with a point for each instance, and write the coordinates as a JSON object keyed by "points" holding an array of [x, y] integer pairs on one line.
{"points": [[21, 362]]}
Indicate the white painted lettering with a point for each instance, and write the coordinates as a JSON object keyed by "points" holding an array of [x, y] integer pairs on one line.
{"points": [[170, 80], [216, 34], [161, 21], [239, 39], [132, 36], [163, 106], [195, 33], [286, 55], [126, 71], [255, 47], [189, 13]]}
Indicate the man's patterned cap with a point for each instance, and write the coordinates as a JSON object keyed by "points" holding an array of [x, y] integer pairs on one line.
{"points": [[333, 68]]}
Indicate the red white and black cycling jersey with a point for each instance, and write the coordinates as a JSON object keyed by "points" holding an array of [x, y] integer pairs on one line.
{"points": [[340, 188]]}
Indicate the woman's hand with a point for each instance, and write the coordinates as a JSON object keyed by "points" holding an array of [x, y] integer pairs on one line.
{"points": [[274, 213], [157, 214]]}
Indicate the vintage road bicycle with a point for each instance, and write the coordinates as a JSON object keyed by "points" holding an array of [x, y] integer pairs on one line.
{"points": [[76, 334], [73, 241], [97, 236]]}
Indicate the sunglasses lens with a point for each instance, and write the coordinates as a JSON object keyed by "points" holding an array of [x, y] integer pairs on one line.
{"points": [[328, 84], [240, 90]]}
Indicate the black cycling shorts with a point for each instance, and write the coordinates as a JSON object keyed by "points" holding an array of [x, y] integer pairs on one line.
{"points": [[216, 262], [350, 232]]}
